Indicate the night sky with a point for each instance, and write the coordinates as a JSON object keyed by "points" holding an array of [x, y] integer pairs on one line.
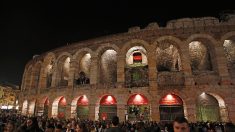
{"points": [[27, 29]]}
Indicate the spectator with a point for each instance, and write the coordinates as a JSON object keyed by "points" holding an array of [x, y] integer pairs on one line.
{"points": [[114, 127], [180, 124]]}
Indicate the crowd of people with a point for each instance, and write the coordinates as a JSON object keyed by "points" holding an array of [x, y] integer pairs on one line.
{"points": [[18, 123]]}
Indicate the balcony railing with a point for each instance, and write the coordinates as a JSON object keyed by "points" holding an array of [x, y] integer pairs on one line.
{"points": [[206, 77], [136, 76], [170, 78]]}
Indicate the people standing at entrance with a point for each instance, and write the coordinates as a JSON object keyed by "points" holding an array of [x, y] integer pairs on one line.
{"points": [[181, 124], [115, 127]]}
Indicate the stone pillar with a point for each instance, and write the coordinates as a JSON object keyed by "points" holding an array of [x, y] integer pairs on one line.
{"points": [[42, 79], [185, 65], [152, 70], [73, 64], [155, 114], [95, 70], [190, 111], [221, 63], [54, 76], [50, 109], [92, 111], [121, 112], [121, 68]]}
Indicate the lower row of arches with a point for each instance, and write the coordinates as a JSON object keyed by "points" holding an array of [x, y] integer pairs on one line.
{"points": [[209, 107]]}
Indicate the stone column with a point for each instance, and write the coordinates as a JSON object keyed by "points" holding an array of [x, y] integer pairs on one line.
{"points": [[221, 63], [54, 76], [152, 70], [42, 79], [95, 70], [50, 109], [121, 69], [121, 112], [73, 64], [155, 114], [92, 111], [185, 64]]}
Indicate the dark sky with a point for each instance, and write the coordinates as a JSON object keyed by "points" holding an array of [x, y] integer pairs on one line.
{"points": [[27, 29]]}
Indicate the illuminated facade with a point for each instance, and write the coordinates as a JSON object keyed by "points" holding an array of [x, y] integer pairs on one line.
{"points": [[157, 73]]}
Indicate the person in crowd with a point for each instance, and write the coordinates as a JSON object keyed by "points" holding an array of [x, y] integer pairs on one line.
{"points": [[115, 127], [181, 124]]}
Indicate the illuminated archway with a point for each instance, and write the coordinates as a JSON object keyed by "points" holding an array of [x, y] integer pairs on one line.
{"points": [[59, 107], [138, 108], [80, 108], [171, 106], [43, 107], [32, 105], [25, 108], [108, 107], [211, 107]]}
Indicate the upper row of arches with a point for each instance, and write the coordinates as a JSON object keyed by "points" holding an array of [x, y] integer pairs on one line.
{"points": [[168, 51]]}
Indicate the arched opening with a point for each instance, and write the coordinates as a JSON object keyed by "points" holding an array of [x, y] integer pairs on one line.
{"points": [[43, 107], [208, 108], [107, 108], [168, 57], [59, 107], [36, 75], [32, 108], [63, 71], [25, 108], [138, 108], [171, 106], [83, 69], [200, 57], [229, 48], [108, 69], [80, 108], [136, 70]]}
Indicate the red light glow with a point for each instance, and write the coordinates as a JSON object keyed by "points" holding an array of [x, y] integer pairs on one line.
{"points": [[137, 99], [83, 100], [171, 99], [108, 100]]}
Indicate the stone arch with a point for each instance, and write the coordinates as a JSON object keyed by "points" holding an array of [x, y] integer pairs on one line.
{"points": [[63, 69], [36, 74], [208, 45], [105, 102], [79, 107], [139, 107], [228, 41], [82, 62], [228, 35], [107, 54], [222, 109], [105, 47], [56, 111], [135, 42], [168, 53], [175, 103], [223, 112]]}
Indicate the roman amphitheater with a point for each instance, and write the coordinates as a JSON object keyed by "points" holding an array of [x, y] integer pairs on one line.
{"points": [[186, 68]]}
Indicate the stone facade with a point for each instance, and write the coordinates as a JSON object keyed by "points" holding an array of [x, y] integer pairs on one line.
{"points": [[186, 58]]}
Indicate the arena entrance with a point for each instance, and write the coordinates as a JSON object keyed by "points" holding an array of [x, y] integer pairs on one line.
{"points": [[59, 107], [208, 108], [108, 108], [80, 108], [171, 106], [138, 108], [25, 108], [43, 107]]}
